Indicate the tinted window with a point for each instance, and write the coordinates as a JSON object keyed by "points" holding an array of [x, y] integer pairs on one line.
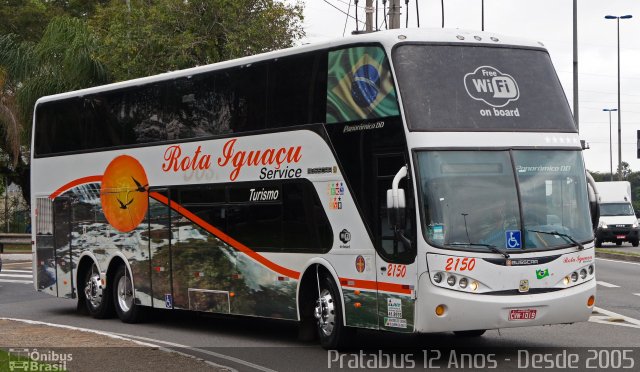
{"points": [[305, 223], [271, 94], [267, 216], [480, 88], [296, 94]]}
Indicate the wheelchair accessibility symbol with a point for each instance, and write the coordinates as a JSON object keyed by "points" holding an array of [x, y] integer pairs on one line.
{"points": [[513, 239]]}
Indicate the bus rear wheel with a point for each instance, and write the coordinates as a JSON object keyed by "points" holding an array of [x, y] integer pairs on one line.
{"points": [[97, 298], [328, 313], [474, 333], [126, 308]]}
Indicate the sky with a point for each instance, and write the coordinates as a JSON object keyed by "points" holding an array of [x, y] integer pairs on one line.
{"points": [[551, 22]]}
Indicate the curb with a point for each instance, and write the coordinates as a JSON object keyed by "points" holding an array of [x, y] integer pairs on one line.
{"points": [[616, 256], [123, 337], [16, 256]]}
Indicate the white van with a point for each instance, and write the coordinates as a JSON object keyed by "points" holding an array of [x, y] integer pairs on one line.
{"points": [[618, 222]]}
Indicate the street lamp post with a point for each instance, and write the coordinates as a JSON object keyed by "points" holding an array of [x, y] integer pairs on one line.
{"points": [[618, 18], [610, 150]]}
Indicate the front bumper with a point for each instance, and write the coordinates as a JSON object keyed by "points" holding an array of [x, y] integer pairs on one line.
{"points": [[613, 234], [468, 311]]}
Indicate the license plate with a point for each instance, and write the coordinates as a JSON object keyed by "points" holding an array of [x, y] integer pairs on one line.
{"points": [[522, 314], [620, 237]]}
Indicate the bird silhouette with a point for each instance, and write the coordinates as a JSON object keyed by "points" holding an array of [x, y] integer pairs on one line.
{"points": [[123, 205], [140, 188]]}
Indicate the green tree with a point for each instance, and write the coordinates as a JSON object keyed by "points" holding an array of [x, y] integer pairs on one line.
{"points": [[623, 170], [62, 60], [147, 37], [26, 19]]}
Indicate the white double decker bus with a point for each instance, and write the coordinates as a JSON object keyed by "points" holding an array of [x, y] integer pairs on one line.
{"points": [[403, 181]]}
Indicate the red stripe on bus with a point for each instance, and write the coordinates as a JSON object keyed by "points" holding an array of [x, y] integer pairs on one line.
{"points": [[355, 283], [226, 238], [74, 183], [373, 285]]}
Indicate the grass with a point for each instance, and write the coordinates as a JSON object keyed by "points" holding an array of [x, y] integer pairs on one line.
{"points": [[17, 248], [613, 251]]}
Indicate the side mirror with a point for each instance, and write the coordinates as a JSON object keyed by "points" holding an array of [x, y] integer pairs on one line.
{"points": [[396, 207], [594, 207], [594, 202]]}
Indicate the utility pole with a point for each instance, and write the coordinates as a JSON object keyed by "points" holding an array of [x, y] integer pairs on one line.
{"points": [[368, 11], [6, 203], [576, 111], [394, 14]]}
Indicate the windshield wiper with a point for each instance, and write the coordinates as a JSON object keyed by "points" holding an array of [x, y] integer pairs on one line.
{"points": [[557, 233], [493, 248]]}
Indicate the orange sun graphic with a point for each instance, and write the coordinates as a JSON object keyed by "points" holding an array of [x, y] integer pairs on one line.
{"points": [[123, 193]]}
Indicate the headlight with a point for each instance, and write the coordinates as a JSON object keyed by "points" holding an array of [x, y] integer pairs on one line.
{"points": [[451, 280], [635, 224], [574, 276], [602, 225], [437, 277], [463, 283], [591, 269], [583, 273]]}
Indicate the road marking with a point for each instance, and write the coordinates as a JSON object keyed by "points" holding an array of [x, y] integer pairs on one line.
{"points": [[627, 262], [204, 351], [118, 336], [608, 285], [17, 276], [630, 322], [16, 281]]}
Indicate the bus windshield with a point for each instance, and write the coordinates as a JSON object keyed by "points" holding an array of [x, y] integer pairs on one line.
{"points": [[616, 209], [480, 88], [471, 199]]}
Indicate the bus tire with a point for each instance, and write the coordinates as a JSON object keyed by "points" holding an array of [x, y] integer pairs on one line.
{"points": [[635, 243], [618, 242], [97, 297], [328, 313], [473, 333], [123, 299]]}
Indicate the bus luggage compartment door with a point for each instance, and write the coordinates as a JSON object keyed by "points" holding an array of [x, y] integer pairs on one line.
{"points": [[63, 262], [45, 275], [159, 217]]}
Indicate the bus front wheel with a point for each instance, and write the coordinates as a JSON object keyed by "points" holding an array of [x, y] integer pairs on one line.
{"points": [[328, 313], [126, 308]]}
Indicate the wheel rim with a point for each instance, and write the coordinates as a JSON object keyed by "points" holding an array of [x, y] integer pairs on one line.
{"points": [[325, 312], [93, 288], [125, 294]]}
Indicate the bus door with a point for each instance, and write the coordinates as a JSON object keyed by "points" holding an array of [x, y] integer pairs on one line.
{"points": [[61, 270], [160, 240], [395, 260], [46, 275]]}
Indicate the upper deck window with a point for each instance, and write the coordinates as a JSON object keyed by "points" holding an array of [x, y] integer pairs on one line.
{"points": [[480, 88]]}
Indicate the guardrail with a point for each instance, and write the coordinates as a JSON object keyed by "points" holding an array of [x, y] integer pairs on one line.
{"points": [[15, 239]]}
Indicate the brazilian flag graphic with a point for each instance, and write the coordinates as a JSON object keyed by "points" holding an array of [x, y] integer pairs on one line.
{"points": [[359, 85]]}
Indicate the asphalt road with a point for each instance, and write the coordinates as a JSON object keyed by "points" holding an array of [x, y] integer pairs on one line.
{"points": [[262, 344]]}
